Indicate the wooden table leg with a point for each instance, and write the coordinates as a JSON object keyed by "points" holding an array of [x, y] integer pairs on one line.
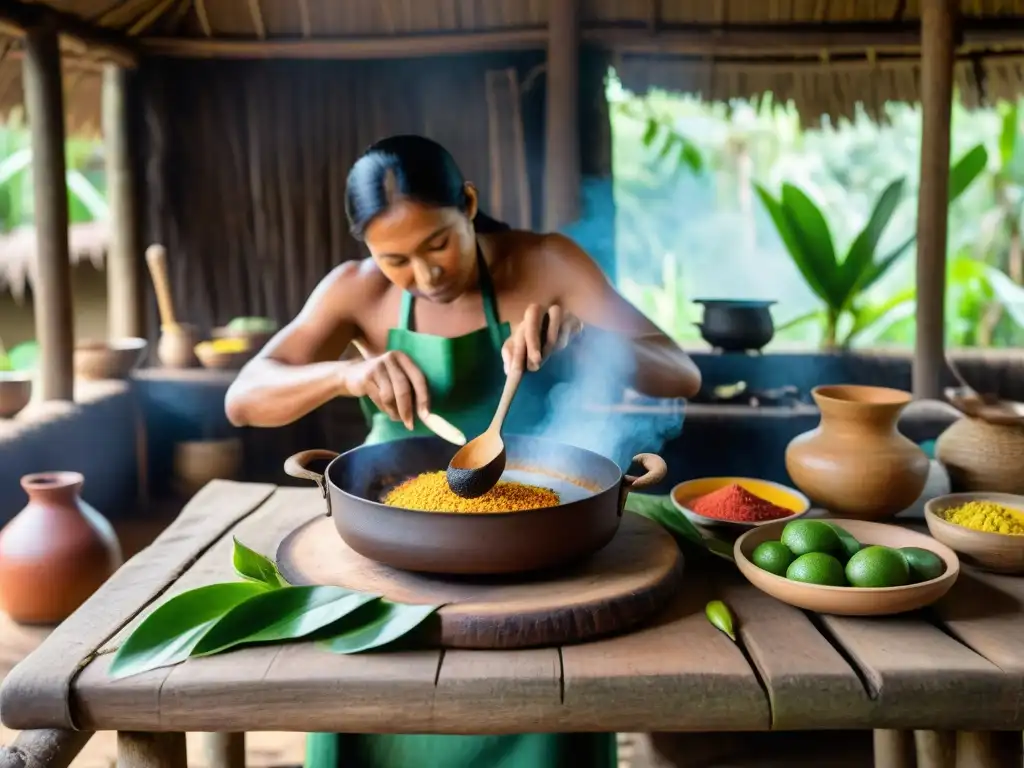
{"points": [[151, 750], [44, 749], [987, 749], [894, 749], [935, 749], [223, 750]]}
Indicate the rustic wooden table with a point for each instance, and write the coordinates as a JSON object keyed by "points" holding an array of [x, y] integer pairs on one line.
{"points": [[947, 682]]}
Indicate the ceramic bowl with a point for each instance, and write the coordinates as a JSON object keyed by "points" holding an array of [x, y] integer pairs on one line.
{"points": [[114, 359], [776, 493], [999, 552], [15, 392], [851, 601]]}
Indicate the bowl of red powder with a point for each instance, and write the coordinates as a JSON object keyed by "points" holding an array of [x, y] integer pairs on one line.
{"points": [[737, 502]]}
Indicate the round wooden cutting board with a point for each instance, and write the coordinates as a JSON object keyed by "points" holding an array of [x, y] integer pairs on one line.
{"points": [[621, 586]]}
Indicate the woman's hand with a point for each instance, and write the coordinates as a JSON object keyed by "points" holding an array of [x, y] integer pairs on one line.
{"points": [[526, 350], [393, 382]]}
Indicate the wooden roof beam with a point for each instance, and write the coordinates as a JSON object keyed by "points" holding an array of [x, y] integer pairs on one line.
{"points": [[768, 40], [17, 18]]}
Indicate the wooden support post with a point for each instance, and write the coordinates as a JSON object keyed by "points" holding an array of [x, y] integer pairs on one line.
{"points": [[224, 750], [935, 749], [124, 273], [44, 102], [894, 749], [937, 22], [151, 750], [562, 144]]}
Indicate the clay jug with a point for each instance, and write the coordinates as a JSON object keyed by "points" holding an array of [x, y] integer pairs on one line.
{"points": [[56, 552], [855, 463]]}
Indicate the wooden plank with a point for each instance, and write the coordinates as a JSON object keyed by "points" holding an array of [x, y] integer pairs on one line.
{"points": [[36, 692], [678, 674], [985, 611], [920, 677], [809, 683], [136, 703], [524, 688]]}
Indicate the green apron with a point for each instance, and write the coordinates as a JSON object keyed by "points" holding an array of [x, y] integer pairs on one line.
{"points": [[465, 376]]}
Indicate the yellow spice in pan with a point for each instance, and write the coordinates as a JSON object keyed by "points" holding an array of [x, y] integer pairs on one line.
{"points": [[429, 492]]}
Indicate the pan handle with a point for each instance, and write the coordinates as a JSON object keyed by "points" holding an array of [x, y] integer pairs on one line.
{"points": [[295, 466], [656, 471]]}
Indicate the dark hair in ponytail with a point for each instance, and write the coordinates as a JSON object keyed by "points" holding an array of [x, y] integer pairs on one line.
{"points": [[414, 167]]}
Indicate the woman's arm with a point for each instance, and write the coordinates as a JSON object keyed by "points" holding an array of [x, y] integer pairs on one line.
{"points": [[662, 369], [299, 370]]}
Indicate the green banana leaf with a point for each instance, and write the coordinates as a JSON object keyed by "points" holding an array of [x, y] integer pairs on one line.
{"points": [[278, 615], [170, 633], [812, 234], [862, 252], [377, 624], [252, 566], [962, 174], [804, 263]]}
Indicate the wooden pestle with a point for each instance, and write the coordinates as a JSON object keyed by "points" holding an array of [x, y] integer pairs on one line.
{"points": [[156, 259]]}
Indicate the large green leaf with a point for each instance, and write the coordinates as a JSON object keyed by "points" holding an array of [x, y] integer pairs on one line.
{"points": [[961, 176], [866, 316], [794, 245], [811, 231], [861, 255], [965, 170], [253, 566], [24, 356], [794, 322], [170, 633], [1007, 133], [377, 624], [282, 614]]}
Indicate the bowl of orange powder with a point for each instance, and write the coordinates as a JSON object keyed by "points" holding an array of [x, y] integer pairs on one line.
{"points": [[737, 502]]}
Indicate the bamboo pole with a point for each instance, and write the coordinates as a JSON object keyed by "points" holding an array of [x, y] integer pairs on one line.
{"points": [[124, 274], [44, 102], [562, 133], [937, 44]]}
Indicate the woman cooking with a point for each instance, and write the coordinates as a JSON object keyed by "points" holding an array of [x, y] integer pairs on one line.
{"points": [[448, 301]]}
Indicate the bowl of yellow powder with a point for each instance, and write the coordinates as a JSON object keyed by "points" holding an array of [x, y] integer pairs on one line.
{"points": [[985, 529]]}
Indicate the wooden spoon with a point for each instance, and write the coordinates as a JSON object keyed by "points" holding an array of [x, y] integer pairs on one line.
{"points": [[479, 464], [156, 259]]}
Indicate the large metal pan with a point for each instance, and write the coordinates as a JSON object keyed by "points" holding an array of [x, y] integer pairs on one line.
{"points": [[591, 487]]}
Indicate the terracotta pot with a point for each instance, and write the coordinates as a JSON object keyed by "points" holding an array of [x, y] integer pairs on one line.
{"points": [[983, 456], [855, 463], [56, 552]]}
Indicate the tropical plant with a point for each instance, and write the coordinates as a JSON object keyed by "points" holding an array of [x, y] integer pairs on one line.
{"points": [[842, 283], [21, 358]]}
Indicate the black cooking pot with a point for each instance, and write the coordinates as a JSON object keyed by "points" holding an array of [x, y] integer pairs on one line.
{"points": [[736, 325], [591, 488]]}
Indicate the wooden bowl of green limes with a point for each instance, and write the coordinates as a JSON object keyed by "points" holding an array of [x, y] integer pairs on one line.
{"points": [[846, 567]]}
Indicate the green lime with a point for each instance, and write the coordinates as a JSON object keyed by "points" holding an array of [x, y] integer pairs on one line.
{"points": [[876, 566], [772, 556], [817, 568], [924, 564], [804, 536], [850, 545]]}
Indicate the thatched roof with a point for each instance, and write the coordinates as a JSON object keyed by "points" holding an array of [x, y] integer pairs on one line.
{"points": [[825, 54], [87, 242]]}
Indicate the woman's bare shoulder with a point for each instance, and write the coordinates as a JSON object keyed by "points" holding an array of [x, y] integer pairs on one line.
{"points": [[550, 254], [354, 284]]}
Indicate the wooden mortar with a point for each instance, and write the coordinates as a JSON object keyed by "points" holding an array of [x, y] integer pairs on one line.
{"points": [[176, 348]]}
